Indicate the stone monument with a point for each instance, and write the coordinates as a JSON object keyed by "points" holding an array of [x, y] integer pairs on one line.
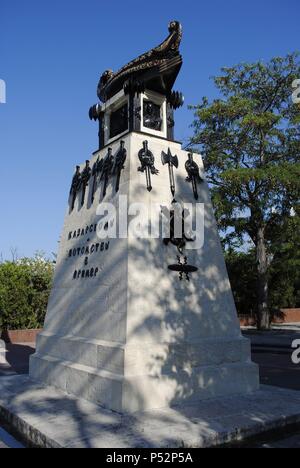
{"points": [[138, 321]]}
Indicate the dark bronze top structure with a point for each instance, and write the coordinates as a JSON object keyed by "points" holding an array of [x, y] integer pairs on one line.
{"points": [[144, 81], [156, 70]]}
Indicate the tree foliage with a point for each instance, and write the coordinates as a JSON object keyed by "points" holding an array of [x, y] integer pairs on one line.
{"points": [[285, 266], [250, 142], [24, 291], [283, 277], [243, 276]]}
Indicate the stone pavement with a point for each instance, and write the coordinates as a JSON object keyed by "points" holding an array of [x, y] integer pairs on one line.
{"points": [[271, 350], [17, 356], [276, 338], [50, 418]]}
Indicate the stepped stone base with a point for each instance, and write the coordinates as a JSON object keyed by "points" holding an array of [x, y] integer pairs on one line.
{"points": [[118, 377]]}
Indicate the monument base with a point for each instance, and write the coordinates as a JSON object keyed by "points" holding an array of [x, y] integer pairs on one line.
{"points": [[123, 383], [135, 336], [49, 418]]}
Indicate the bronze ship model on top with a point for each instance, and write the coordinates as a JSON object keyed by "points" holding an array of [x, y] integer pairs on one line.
{"points": [[155, 70]]}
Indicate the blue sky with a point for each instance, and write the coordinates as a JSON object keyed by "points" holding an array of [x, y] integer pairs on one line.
{"points": [[51, 56]]}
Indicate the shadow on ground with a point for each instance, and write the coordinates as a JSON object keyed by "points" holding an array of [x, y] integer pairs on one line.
{"points": [[17, 356]]}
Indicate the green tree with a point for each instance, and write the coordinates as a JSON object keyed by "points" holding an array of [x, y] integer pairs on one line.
{"points": [[283, 274], [285, 266], [24, 291], [243, 276], [250, 142]]}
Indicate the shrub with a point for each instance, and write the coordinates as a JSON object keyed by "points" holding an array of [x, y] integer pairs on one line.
{"points": [[24, 291]]}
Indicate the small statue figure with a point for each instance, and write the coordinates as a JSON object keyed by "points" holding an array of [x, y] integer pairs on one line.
{"points": [[147, 164], [193, 174], [120, 159], [97, 167], [85, 177], [106, 169], [75, 186]]}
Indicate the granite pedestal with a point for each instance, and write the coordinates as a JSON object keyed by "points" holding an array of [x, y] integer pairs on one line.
{"points": [[130, 335]]}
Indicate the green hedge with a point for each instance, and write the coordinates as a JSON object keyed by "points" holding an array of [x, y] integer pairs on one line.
{"points": [[24, 291]]}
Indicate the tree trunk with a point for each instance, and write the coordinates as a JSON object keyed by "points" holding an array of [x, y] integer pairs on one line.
{"points": [[263, 317]]}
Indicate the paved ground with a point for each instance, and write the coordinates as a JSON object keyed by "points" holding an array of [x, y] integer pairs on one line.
{"points": [[271, 350], [51, 418], [17, 363]]}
